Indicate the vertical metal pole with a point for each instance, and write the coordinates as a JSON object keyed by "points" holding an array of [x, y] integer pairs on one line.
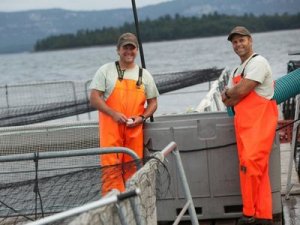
{"points": [[136, 21], [121, 214], [289, 184], [135, 204], [6, 95], [75, 99], [186, 188], [87, 98]]}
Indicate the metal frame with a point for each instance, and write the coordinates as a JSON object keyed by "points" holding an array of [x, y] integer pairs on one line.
{"points": [[93, 205], [289, 184], [71, 153], [172, 147], [67, 154]]}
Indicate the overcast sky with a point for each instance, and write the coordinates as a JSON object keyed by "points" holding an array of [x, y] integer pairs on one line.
{"points": [[20, 5]]}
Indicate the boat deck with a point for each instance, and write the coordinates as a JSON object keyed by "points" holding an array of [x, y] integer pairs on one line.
{"points": [[291, 207]]}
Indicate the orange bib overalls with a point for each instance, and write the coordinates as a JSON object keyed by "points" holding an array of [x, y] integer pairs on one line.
{"points": [[255, 125], [129, 99]]}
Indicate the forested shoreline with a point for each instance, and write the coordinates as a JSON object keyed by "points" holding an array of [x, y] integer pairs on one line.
{"points": [[171, 28]]}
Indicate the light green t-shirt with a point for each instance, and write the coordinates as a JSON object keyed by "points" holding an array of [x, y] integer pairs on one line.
{"points": [[107, 75], [258, 69]]}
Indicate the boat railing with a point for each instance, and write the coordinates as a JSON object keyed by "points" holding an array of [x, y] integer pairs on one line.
{"points": [[38, 169], [294, 148], [37, 184], [111, 199], [212, 102], [138, 181], [23, 104]]}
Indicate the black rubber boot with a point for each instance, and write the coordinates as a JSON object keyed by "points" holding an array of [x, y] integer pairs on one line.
{"points": [[263, 222], [246, 220]]}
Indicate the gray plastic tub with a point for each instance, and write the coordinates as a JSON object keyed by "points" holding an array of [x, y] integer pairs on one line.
{"points": [[206, 142]]}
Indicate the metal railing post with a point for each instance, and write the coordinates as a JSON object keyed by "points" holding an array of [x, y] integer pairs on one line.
{"points": [[87, 207], [172, 147], [289, 184], [186, 188], [72, 153], [134, 202], [121, 214]]}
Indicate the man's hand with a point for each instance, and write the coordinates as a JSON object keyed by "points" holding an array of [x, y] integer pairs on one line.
{"points": [[134, 121], [225, 97], [118, 117], [235, 94]]}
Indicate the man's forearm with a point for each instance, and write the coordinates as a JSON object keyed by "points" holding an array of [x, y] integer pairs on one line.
{"points": [[97, 102], [151, 107], [235, 94]]}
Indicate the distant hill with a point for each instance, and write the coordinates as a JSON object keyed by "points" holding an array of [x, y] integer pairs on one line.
{"points": [[171, 28], [20, 30]]}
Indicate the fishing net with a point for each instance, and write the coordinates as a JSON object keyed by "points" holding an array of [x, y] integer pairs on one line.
{"points": [[140, 210], [52, 137], [27, 200], [32, 103], [28, 192], [34, 185]]}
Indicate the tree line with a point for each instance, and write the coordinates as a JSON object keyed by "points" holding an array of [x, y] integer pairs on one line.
{"points": [[171, 28]]}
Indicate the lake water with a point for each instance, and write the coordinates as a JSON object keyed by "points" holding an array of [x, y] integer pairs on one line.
{"points": [[160, 57]]}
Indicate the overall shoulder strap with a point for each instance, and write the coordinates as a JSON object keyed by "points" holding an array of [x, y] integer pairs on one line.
{"points": [[139, 81], [242, 74], [120, 72]]}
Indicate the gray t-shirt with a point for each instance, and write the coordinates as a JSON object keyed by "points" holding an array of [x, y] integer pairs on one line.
{"points": [[258, 69], [107, 75]]}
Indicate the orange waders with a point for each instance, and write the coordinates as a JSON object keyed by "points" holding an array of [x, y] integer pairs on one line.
{"points": [[255, 125], [129, 99]]}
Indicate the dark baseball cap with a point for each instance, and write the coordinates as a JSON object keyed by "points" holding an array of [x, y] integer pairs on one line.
{"points": [[127, 39], [239, 30]]}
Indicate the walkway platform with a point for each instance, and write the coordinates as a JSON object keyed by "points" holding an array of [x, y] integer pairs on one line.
{"points": [[291, 207]]}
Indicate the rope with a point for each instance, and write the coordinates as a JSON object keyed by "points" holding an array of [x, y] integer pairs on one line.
{"points": [[286, 125]]}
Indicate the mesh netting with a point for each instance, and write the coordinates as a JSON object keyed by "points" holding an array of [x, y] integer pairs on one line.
{"points": [[139, 210], [173, 81], [32, 186], [32, 189], [32, 103], [103, 216], [54, 137], [148, 180]]}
